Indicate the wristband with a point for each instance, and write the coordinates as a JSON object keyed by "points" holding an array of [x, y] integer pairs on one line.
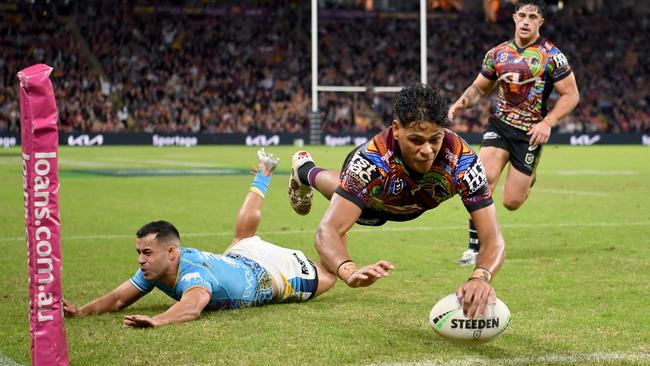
{"points": [[341, 265], [481, 274]]}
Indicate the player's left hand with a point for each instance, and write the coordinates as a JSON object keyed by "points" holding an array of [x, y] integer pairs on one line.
{"points": [[540, 132], [475, 295], [140, 321]]}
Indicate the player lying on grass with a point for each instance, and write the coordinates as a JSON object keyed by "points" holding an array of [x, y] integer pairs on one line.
{"points": [[250, 272]]}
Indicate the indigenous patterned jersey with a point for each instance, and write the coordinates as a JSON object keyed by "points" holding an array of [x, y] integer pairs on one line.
{"points": [[234, 282], [377, 178], [525, 78]]}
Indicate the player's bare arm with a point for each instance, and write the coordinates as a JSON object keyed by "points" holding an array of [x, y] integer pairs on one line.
{"points": [[116, 300], [567, 88], [331, 245], [187, 309], [480, 88], [477, 291]]}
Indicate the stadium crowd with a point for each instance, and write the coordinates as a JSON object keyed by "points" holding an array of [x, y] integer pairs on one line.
{"points": [[120, 66]]}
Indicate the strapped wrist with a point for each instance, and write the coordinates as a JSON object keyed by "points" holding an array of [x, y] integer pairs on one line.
{"points": [[481, 274], [347, 267]]}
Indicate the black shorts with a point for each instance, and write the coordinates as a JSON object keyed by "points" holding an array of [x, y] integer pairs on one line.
{"points": [[523, 156]]}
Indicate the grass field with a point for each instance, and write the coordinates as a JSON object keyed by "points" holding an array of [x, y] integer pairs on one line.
{"points": [[576, 277]]}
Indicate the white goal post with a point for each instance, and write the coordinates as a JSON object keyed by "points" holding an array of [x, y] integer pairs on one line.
{"points": [[315, 128]]}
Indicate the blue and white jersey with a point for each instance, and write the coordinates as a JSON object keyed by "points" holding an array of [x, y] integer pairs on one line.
{"points": [[234, 281]]}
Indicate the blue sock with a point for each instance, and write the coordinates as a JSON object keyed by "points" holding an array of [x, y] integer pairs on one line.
{"points": [[260, 184]]}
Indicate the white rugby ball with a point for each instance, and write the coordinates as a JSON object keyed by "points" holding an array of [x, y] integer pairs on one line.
{"points": [[448, 321]]}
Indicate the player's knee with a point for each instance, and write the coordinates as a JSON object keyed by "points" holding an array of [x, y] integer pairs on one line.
{"points": [[513, 203]]}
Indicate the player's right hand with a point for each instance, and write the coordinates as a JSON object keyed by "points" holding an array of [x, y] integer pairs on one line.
{"points": [[366, 276], [461, 103], [69, 310]]}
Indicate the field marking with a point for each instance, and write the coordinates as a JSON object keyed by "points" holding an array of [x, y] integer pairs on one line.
{"points": [[575, 193], [547, 359], [354, 230], [596, 172]]}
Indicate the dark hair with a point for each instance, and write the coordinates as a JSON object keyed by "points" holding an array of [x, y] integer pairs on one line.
{"points": [[420, 102], [540, 4], [165, 232]]}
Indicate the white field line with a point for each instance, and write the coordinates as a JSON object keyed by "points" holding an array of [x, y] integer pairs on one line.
{"points": [[548, 359], [6, 361], [570, 193], [596, 172], [358, 229]]}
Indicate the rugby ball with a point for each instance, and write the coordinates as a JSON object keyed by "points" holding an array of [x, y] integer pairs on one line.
{"points": [[447, 320]]}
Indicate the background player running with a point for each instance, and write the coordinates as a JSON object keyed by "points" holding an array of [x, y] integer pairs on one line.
{"points": [[526, 68]]}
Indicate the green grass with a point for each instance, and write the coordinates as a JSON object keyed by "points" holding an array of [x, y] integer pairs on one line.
{"points": [[576, 277]]}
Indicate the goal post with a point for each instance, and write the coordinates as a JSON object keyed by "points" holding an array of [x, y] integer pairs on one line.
{"points": [[315, 125]]}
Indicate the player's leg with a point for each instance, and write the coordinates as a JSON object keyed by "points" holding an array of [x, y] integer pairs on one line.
{"points": [[250, 212], [305, 175], [516, 188]]}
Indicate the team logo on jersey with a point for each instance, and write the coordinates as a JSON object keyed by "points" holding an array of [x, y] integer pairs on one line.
{"points": [[451, 157], [503, 56], [362, 169], [397, 186]]}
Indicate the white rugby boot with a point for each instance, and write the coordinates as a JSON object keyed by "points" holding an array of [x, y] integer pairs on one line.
{"points": [[468, 258], [300, 195], [266, 162]]}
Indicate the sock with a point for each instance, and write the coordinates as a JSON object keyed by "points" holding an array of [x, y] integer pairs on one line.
{"points": [[303, 172], [473, 237], [311, 176], [260, 184]]}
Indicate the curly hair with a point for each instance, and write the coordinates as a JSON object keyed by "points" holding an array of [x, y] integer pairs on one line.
{"points": [[540, 4], [421, 103]]}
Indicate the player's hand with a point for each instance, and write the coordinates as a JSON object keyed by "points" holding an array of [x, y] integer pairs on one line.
{"points": [[540, 132], [140, 321], [475, 295], [69, 310], [461, 103], [366, 276]]}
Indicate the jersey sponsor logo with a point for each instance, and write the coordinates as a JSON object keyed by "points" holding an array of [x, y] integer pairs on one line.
{"points": [[191, 276], [513, 78], [532, 147], [362, 169], [490, 135], [475, 177], [303, 266], [560, 60]]}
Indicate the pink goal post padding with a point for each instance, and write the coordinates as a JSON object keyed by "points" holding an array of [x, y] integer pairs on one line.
{"points": [[40, 143]]}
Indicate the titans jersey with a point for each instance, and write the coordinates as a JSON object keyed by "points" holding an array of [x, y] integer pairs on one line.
{"points": [[525, 77], [376, 177], [233, 281]]}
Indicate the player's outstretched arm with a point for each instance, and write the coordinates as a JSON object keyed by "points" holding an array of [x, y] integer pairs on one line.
{"points": [[331, 245], [187, 309], [118, 299], [481, 87], [477, 291]]}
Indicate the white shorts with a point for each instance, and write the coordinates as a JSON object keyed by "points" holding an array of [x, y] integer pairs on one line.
{"points": [[294, 274]]}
